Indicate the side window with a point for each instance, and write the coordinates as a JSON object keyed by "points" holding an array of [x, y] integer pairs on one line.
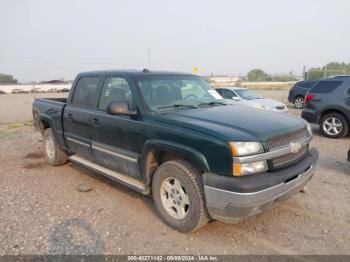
{"points": [[85, 91], [115, 89], [228, 94], [219, 91], [324, 87]]}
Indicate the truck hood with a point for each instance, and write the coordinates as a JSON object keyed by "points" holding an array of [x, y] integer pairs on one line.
{"points": [[233, 122]]}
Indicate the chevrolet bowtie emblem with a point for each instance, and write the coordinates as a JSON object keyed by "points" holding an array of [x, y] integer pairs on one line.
{"points": [[295, 147]]}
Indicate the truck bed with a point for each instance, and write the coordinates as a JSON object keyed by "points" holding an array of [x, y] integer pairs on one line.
{"points": [[54, 99], [50, 110]]}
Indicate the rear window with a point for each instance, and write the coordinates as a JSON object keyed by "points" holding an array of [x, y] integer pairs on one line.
{"points": [[324, 87], [306, 84], [85, 92]]}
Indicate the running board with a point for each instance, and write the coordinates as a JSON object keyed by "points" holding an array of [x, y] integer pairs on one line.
{"points": [[124, 179]]}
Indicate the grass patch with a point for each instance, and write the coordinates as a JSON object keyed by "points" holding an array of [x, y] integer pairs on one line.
{"points": [[14, 126], [7, 130]]}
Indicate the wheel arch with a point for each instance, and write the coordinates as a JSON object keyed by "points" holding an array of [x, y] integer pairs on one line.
{"points": [[44, 123], [334, 110], [156, 152]]}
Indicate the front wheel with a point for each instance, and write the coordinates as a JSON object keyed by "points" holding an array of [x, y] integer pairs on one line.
{"points": [[178, 195], [334, 125], [53, 154], [299, 102]]}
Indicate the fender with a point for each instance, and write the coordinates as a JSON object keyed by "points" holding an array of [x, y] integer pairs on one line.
{"points": [[194, 156], [336, 108], [57, 133]]}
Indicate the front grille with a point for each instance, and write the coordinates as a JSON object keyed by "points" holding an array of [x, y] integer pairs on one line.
{"points": [[281, 141], [279, 107], [286, 159], [278, 142]]}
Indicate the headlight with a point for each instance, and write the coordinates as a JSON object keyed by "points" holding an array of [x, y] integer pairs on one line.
{"points": [[249, 168], [309, 129], [246, 148]]}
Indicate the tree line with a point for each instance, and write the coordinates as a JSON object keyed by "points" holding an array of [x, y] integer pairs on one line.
{"points": [[258, 75], [313, 73], [7, 79]]}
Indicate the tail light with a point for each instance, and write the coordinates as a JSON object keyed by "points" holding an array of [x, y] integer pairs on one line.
{"points": [[308, 97]]}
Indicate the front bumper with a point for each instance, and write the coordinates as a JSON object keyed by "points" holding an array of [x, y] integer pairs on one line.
{"points": [[232, 202]]}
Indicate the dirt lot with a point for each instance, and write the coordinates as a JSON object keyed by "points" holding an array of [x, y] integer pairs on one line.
{"points": [[43, 212]]}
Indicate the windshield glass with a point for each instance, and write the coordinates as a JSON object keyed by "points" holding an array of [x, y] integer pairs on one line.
{"points": [[169, 92], [247, 94]]}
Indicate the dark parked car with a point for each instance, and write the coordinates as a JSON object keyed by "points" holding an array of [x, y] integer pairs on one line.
{"points": [[172, 136], [328, 104], [298, 92]]}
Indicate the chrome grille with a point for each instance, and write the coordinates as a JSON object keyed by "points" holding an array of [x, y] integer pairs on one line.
{"points": [[283, 160], [279, 107], [278, 142]]}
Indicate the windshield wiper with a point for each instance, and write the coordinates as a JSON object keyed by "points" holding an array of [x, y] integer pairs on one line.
{"points": [[212, 103], [177, 106]]}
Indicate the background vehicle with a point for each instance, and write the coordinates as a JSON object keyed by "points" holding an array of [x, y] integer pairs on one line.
{"points": [[247, 97], [298, 91], [19, 91], [156, 133], [328, 104]]}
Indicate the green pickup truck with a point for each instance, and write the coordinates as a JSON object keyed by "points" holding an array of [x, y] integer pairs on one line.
{"points": [[172, 135]]}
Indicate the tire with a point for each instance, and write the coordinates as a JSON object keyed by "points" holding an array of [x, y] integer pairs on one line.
{"points": [[299, 102], [334, 125], [53, 154], [196, 215]]}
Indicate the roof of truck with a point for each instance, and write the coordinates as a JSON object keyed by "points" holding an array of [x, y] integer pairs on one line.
{"points": [[134, 72]]}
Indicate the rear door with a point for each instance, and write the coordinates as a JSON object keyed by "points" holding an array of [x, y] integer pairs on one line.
{"points": [[77, 115], [117, 140]]}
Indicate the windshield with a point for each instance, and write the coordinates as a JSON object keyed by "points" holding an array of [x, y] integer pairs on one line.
{"points": [[247, 94], [177, 92]]}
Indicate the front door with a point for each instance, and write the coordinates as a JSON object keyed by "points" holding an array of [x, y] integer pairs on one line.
{"points": [[117, 139]]}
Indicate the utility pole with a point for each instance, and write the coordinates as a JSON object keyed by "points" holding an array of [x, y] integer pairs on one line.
{"points": [[149, 57]]}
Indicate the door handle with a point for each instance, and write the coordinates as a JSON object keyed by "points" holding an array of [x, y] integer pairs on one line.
{"points": [[70, 116], [95, 121]]}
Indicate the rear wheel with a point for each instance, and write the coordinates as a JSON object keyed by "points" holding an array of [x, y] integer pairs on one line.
{"points": [[299, 102], [178, 195], [53, 154], [334, 125]]}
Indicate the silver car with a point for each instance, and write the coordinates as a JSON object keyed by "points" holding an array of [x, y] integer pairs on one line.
{"points": [[247, 97]]}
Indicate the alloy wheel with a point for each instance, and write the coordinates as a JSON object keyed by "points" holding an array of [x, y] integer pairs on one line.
{"points": [[332, 126], [174, 198]]}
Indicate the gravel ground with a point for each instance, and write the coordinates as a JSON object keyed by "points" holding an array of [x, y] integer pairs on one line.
{"points": [[70, 210]]}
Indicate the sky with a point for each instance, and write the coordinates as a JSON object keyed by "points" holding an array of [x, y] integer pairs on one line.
{"points": [[46, 39]]}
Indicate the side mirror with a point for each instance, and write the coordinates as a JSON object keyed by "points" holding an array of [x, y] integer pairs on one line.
{"points": [[120, 108]]}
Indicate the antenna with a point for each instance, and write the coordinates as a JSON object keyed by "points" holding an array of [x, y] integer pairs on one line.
{"points": [[149, 57]]}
